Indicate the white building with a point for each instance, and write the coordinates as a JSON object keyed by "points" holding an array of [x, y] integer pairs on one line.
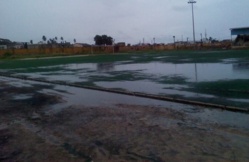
{"points": [[3, 46]]}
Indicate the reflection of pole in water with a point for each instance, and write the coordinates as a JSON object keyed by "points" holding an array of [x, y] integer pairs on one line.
{"points": [[105, 66], [196, 77]]}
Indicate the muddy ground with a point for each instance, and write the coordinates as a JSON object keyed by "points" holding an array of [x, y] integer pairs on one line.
{"points": [[30, 131]]}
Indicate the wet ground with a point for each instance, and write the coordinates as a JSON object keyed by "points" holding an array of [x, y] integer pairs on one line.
{"points": [[219, 77], [44, 122]]}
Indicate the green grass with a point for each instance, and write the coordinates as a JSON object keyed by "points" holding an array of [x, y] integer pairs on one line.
{"points": [[12, 64], [238, 88], [238, 84], [141, 57]]}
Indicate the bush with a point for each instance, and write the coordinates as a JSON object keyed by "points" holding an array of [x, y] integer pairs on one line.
{"points": [[7, 54]]}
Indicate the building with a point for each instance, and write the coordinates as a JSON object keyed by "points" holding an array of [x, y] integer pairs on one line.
{"points": [[33, 46], [3, 47], [240, 31], [16, 45], [121, 44], [81, 45], [242, 36], [5, 41]]}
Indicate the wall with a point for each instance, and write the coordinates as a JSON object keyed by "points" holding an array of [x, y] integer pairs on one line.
{"points": [[109, 49]]}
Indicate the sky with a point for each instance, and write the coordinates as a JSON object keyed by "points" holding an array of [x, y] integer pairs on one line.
{"points": [[130, 21]]}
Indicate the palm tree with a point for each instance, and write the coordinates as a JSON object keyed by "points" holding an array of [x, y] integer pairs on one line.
{"points": [[61, 39], [44, 38], [74, 40]]}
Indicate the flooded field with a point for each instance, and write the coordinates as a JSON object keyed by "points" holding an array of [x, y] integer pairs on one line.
{"points": [[219, 77], [52, 122]]}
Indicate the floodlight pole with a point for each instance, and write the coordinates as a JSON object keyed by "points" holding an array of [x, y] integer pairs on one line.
{"points": [[113, 43], [174, 41], [192, 2]]}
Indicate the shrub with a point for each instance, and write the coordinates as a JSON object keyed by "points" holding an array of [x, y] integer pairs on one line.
{"points": [[7, 54]]}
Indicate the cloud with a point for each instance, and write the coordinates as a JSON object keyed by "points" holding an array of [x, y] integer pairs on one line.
{"points": [[180, 8], [125, 20]]}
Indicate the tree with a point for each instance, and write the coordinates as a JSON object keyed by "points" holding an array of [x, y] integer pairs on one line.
{"points": [[44, 38], [74, 40], [31, 41], [109, 41], [61, 39], [103, 40], [98, 40], [55, 38], [25, 45], [210, 39]]}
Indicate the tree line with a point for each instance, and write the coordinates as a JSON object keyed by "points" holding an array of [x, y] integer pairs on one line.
{"points": [[53, 40], [103, 40], [99, 40]]}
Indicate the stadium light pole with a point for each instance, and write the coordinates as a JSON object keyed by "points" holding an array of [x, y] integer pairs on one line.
{"points": [[193, 20], [113, 43], [174, 41]]}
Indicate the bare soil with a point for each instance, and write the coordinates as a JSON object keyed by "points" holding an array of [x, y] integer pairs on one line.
{"points": [[120, 133]]}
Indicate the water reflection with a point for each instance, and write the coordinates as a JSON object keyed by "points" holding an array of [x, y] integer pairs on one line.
{"points": [[153, 77], [244, 67], [105, 67], [241, 68], [196, 76], [193, 72]]}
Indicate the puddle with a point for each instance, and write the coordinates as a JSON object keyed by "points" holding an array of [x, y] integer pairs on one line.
{"points": [[80, 66], [150, 77], [229, 60], [14, 83], [198, 72], [149, 87], [84, 97], [76, 96], [22, 97]]}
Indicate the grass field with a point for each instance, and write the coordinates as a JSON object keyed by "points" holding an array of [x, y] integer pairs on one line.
{"points": [[141, 57], [211, 76]]}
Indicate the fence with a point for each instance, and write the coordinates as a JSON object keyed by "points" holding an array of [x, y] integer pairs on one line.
{"points": [[105, 49]]}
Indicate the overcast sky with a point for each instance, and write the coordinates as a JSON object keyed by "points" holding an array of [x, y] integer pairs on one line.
{"points": [[124, 20]]}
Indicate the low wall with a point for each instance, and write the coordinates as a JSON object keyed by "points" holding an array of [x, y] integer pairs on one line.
{"points": [[107, 49], [71, 50]]}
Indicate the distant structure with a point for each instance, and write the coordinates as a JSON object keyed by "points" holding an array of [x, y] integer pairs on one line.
{"points": [[193, 20], [81, 45], [121, 44], [242, 36], [3, 46], [4, 41], [7, 44]]}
